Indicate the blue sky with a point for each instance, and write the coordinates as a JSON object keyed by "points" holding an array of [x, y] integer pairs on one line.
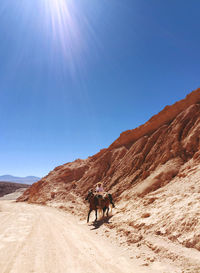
{"points": [[74, 74]]}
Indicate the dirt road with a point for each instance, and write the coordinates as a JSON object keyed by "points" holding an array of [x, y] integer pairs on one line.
{"points": [[44, 240]]}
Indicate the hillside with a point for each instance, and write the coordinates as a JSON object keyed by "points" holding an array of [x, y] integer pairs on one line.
{"points": [[153, 173], [9, 187], [140, 160]]}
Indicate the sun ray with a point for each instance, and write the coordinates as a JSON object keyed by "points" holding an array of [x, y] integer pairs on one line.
{"points": [[61, 21]]}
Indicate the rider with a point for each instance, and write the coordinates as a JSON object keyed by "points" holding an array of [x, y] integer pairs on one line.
{"points": [[99, 188], [100, 191]]}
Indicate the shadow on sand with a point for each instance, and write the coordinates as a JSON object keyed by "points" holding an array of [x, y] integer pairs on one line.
{"points": [[98, 223]]}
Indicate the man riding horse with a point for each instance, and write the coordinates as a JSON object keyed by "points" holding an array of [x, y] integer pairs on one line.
{"points": [[99, 200]]}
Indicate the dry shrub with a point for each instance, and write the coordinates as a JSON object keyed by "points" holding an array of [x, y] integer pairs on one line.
{"points": [[145, 215]]}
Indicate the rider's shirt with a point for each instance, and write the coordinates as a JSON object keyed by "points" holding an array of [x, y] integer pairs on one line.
{"points": [[99, 189]]}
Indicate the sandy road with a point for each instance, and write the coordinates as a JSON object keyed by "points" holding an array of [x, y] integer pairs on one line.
{"points": [[42, 239]]}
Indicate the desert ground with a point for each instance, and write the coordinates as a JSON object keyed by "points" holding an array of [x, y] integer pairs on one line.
{"points": [[38, 239]]}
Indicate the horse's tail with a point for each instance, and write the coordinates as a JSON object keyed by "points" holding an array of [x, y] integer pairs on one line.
{"points": [[111, 199], [110, 196]]}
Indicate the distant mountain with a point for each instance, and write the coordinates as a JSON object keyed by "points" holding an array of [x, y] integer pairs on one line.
{"points": [[22, 180]]}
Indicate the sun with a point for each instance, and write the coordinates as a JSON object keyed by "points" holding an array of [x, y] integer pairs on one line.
{"points": [[63, 25]]}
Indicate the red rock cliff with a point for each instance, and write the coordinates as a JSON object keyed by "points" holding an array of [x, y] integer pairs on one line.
{"points": [[140, 160]]}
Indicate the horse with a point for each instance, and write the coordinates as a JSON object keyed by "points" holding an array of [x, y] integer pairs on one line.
{"points": [[97, 202]]}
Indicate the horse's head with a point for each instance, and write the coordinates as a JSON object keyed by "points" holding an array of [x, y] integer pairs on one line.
{"points": [[90, 194]]}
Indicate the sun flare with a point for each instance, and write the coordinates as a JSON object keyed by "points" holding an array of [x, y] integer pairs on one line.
{"points": [[62, 22], [61, 18]]}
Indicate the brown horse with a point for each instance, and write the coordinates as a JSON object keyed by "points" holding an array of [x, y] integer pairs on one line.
{"points": [[97, 202]]}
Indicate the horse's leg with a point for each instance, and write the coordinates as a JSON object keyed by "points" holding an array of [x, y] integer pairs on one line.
{"points": [[110, 208], [104, 209], [96, 214], [100, 213], [89, 215], [107, 210]]}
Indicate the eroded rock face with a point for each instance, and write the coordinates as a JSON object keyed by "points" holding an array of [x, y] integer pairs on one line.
{"points": [[140, 160], [168, 114]]}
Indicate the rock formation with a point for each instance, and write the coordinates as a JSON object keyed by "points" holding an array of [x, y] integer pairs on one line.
{"points": [[140, 160], [9, 187]]}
